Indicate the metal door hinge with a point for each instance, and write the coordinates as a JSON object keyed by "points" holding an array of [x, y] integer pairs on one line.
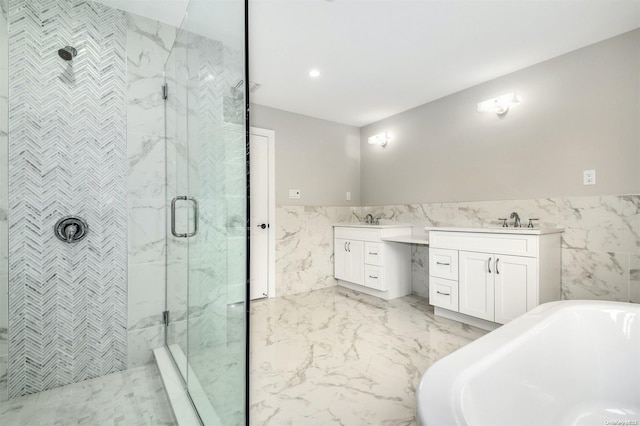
{"points": [[165, 318], [165, 91]]}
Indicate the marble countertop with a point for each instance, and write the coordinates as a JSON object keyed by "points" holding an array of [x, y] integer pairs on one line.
{"points": [[423, 241], [498, 230], [364, 225]]}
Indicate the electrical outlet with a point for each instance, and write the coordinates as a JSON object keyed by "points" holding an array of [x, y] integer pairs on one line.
{"points": [[348, 196], [589, 177], [294, 194]]}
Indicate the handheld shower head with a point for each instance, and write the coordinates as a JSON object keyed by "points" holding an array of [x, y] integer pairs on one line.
{"points": [[67, 53]]}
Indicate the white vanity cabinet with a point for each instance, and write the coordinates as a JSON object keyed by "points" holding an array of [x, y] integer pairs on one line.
{"points": [[363, 262], [496, 276]]}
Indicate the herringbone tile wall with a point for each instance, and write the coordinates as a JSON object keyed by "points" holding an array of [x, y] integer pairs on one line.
{"points": [[4, 240], [67, 155]]}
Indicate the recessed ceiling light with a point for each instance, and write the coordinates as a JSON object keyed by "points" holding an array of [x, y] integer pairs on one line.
{"points": [[314, 73]]}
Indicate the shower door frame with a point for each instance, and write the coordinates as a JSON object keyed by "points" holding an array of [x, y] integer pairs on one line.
{"points": [[185, 370]]}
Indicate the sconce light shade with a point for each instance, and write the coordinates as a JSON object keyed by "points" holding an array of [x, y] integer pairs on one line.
{"points": [[499, 105], [380, 139]]}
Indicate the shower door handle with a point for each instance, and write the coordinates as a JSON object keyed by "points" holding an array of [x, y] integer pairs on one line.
{"points": [[196, 216]]}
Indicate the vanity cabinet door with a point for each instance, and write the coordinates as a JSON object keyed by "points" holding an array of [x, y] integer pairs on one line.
{"points": [[349, 260], [356, 261], [515, 284], [476, 286], [341, 259]]}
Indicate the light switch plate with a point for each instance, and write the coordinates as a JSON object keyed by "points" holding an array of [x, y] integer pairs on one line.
{"points": [[589, 177], [294, 194], [348, 196]]}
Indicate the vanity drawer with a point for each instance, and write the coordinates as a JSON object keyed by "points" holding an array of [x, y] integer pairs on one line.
{"points": [[443, 293], [374, 278], [443, 263], [373, 253]]}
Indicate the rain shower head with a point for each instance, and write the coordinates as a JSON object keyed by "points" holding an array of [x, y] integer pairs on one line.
{"points": [[67, 53]]}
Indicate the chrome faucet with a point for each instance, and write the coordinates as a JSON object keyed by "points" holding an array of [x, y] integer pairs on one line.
{"points": [[517, 223], [369, 219]]}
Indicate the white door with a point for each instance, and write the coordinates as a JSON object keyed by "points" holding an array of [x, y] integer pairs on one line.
{"points": [[476, 287], [259, 216], [515, 277]]}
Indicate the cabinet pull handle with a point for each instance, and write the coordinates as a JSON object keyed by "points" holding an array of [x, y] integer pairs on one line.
{"points": [[345, 246], [349, 246], [442, 263], [489, 265], [444, 294], [497, 260], [373, 254], [371, 276]]}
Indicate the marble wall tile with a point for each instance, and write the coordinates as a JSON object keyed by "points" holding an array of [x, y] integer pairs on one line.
{"points": [[4, 233], [140, 344], [147, 218], [609, 223], [304, 246], [470, 214], [4, 372], [4, 312], [146, 165], [595, 275], [4, 236], [146, 295], [634, 278], [148, 45], [420, 270]]}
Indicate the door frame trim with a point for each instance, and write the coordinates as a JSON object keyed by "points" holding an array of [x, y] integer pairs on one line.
{"points": [[271, 261]]}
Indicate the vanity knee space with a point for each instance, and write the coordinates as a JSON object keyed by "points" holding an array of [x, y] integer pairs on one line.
{"points": [[365, 263]]}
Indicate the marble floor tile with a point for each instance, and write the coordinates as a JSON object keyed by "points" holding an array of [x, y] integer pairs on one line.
{"points": [[330, 356], [334, 356], [131, 397]]}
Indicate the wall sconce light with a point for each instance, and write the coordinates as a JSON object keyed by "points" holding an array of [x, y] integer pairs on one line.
{"points": [[499, 105], [380, 139]]}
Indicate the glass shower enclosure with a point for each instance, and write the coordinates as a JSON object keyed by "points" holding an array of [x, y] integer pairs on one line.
{"points": [[206, 243]]}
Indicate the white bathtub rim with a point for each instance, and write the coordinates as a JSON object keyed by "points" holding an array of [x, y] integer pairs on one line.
{"points": [[444, 397]]}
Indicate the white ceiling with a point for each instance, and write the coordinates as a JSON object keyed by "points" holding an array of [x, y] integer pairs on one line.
{"points": [[382, 57]]}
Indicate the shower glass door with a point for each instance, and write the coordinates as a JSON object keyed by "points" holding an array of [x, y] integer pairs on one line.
{"points": [[206, 198]]}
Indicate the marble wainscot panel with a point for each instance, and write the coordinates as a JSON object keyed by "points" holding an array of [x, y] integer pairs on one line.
{"points": [[600, 245], [304, 246], [634, 279], [148, 46]]}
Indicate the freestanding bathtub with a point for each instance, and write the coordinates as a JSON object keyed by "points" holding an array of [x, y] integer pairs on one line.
{"points": [[562, 363]]}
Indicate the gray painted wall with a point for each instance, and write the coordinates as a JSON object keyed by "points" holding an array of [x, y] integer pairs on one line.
{"points": [[579, 111], [320, 158]]}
